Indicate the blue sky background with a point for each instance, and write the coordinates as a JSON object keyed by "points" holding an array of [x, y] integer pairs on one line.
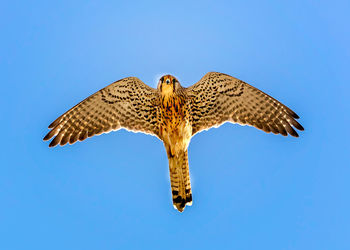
{"points": [[251, 190]]}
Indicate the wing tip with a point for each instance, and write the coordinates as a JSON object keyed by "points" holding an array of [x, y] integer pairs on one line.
{"points": [[55, 123], [301, 128], [47, 137], [53, 144], [294, 115], [295, 135]]}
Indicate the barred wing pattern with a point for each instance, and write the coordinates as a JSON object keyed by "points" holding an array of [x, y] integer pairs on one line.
{"points": [[127, 103], [218, 98]]}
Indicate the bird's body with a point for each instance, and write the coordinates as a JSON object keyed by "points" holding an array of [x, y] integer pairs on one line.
{"points": [[176, 133], [174, 114], [175, 128]]}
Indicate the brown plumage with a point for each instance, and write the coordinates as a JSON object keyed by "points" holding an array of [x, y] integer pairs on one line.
{"points": [[174, 114]]}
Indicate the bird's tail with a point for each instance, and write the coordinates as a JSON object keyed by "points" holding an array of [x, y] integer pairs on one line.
{"points": [[180, 180]]}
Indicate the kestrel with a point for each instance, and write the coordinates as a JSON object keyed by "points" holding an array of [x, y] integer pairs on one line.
{"points": [[174, 114]]}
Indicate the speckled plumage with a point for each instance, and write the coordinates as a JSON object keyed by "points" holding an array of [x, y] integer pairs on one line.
{"points": [[174, 114]]}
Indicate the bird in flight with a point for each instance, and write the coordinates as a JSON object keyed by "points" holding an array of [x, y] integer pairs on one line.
{"points": [[173, 114]]}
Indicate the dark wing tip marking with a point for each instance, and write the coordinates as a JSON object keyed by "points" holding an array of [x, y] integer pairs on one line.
{"points": [[55, 141], [55, 122], [293, 123], [298, 126], [292, 113], [47, 137]]}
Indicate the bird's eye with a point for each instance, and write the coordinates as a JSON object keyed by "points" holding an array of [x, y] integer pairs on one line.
{"points": [[167, 81]]}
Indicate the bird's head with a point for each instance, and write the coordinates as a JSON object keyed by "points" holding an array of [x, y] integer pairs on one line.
{"points": [[168, 84]]}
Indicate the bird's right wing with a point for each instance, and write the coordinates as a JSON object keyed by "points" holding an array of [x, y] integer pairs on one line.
{"points": [[127, 103], [219, 98]]}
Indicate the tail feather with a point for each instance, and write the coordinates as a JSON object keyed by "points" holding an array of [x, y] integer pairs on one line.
{"points": [[180, 181]]}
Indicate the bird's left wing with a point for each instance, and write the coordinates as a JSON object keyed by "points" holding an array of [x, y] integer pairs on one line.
{"points": [[127, 103], [219, 98]]}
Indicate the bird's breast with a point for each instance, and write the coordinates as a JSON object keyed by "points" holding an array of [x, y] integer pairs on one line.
{"points": [[175, 127]]}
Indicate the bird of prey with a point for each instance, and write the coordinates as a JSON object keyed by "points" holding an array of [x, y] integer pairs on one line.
{"points": [[173, 114]]}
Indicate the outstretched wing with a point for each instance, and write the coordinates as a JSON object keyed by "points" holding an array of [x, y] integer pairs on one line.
{"points": [[218, 98], [127, 103]]}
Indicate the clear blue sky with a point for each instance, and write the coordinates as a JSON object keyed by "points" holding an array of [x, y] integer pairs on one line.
{"points": [[251, 190]]}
